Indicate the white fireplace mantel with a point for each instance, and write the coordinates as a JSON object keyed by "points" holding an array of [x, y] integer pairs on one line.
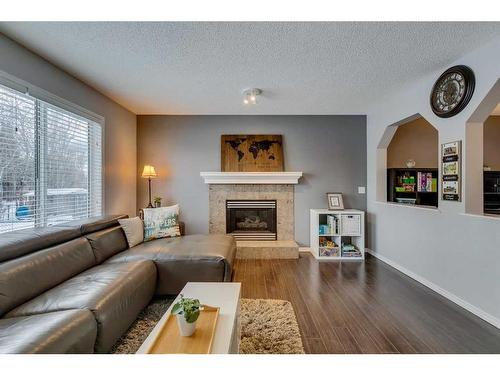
{"points": [[251, 177]]}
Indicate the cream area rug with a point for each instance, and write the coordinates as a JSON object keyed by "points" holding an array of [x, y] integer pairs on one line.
{"points": [[267, 327]]}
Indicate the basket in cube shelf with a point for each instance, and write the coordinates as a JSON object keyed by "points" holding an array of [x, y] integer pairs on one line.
{"points": [[329, 251]]}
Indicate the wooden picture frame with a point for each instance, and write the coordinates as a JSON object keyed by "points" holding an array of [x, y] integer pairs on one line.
{"points": [[335, 201], [252, 153]]}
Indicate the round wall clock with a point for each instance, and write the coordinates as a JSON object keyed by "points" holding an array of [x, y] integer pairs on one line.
{"points": [[452, 91]]}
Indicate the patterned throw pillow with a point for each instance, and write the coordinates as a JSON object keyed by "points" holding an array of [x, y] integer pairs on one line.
{"points": [[161, 222]]}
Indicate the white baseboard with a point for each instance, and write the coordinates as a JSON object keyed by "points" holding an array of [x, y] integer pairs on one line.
{"points": [[305, 250], [453, 298]]}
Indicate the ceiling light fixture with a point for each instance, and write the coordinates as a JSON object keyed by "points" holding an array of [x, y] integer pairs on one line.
{"points": [[250, 96]]}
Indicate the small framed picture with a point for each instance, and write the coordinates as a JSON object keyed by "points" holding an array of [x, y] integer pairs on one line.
{"points": [[335, 201]]}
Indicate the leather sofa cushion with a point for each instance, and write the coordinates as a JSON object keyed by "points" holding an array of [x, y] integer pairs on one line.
{"points": [[61, 332], [195, 257], [115, 293], [93, 224], [21, 242], [24, 278], [107, 242]]}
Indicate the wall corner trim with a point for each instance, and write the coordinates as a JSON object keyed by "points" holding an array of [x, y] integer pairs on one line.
{"points": [[450, 296]]}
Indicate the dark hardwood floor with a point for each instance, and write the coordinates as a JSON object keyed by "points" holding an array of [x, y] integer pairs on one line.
{"points": [[369, 307]]}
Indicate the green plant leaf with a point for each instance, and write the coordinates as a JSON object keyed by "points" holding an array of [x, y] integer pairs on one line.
{"points": [[193, 317], [187, 307], [177, 309]]}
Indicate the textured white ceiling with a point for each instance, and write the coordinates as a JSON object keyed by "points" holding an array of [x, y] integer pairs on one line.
{"points": [[202, 68]]}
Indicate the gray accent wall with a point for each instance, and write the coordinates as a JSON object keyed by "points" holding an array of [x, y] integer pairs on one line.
{"points": [[330, 150]]}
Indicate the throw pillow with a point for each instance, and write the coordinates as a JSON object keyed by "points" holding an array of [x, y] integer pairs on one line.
{"points": [[161, 222], [134, 230]]}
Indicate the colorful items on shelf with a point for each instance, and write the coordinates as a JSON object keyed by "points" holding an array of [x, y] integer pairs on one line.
{"points": [[425, 182], [324, 229], [328, 248], [331, 228], [333, 223], [406, 183], [326, 242]]}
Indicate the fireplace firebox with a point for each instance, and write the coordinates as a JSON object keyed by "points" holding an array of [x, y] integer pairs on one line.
{"points": [[251, 220]]}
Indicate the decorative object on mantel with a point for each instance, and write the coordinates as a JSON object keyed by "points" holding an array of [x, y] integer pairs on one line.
{"points": [[451, 161], [251, 178], [335, 201], [157, 202], [149, 173], [251, 153], [410, 163]]}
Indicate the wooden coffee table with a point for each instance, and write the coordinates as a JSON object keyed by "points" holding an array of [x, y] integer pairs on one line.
{"points": [[226, 296]]}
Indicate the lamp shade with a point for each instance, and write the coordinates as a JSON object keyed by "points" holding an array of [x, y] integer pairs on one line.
{"points": [[149, 172]]}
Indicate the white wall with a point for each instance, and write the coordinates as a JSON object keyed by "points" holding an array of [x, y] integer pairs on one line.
{"points": [[120, 127], [455, 253]]}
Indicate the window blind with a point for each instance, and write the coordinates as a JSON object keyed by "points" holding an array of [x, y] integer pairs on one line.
{"points": [[17, 159], [50, 163]]}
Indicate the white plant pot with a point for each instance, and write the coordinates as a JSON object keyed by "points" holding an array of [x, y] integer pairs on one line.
{"points": [[185, 328]]}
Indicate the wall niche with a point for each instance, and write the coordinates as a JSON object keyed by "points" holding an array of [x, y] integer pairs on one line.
{"points": [[482, 156], [408, 162]]}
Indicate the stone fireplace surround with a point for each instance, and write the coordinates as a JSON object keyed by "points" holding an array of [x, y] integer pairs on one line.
{"points": [[277, 186], [283, 194]]}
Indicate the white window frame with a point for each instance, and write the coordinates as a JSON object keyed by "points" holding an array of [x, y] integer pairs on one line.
{"points": [[35, 92]]}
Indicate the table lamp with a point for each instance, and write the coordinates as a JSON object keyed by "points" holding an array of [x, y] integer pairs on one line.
{"points": [[149, 173]]}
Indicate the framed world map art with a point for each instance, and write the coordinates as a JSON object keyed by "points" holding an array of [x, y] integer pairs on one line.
{"points": [[251, 153]]}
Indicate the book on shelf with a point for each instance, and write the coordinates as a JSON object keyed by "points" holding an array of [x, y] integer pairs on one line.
{"points": [[332, 222], [425, 182]]}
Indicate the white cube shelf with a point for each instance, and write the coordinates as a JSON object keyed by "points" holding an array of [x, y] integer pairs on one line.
{"points": [[341, 227]]}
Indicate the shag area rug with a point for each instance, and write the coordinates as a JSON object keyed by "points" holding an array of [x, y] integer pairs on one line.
{"points": [[267, 327]]}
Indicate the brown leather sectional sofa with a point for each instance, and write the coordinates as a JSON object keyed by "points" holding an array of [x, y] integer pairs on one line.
{"points": [[77, 287]]}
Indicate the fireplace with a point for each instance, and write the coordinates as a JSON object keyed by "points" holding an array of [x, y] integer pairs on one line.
{"points": [[251, 220]]}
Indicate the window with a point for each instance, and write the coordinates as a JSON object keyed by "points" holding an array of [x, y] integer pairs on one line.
{"points": [[50, 163]]}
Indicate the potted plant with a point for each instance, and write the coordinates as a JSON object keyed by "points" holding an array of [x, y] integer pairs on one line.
{"points": [[187, 311], [157, 201]]}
